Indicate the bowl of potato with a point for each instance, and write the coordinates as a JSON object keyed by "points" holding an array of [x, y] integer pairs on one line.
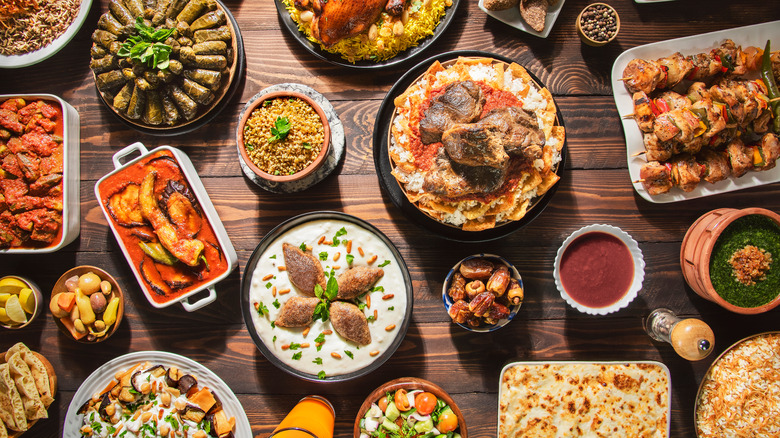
{"points": [[87, 303]]}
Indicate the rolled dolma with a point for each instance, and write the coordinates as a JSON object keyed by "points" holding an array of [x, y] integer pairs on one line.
{"points": [[104, 64], [142, 84], [187, 55], [103, 37], [129, 73], [150, 4], [122, 99], [159, 12], [97, 51], [188, 107], [221, 33], [175, 66], [110, 80], [170, 113], [207, 21], [121, 12], [175, 8], [135, 7], [197, 92], [209, 62], [114, 47], [184, 41], [192, 11], [153, 113], [210, 48], [111, 24], [137, 103], [208, 78]]}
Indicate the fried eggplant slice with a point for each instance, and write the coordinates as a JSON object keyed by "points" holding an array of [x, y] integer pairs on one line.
{"points": [[350, 322], [124, 208], [181, 210], [305, 270], [357, 280]]}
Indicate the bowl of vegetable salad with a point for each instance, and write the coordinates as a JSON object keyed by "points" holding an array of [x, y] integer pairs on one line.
{"points": [[410, 407]]}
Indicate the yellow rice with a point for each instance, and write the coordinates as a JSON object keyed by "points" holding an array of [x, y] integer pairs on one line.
{"points": [[424, 16]]}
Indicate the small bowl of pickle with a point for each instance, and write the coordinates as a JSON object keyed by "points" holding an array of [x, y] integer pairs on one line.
{"points": [[87, 304], [482, 292], [20, 301]]}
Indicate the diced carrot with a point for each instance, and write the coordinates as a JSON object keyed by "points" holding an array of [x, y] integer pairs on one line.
{"points": [[66, 301]]}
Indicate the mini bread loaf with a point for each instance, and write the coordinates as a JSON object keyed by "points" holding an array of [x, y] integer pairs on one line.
{"points": [[500, 5], [534, 12]]}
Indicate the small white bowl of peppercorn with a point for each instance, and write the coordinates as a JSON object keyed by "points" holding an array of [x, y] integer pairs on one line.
{"points": [[598, 24]]}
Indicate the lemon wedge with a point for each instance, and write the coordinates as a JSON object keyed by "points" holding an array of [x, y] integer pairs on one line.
{"points": [[14, 311], [11, 285], [27, 298], [3, 298], [4, 319]]}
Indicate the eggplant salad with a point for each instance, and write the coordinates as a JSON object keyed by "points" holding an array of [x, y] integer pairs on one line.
{"points": [[162, 63]]}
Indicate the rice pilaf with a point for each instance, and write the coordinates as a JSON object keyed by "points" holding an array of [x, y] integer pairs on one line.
{"points": [[293, 153], [739, 395], [525, 182], [34, 28], [387, 39]]}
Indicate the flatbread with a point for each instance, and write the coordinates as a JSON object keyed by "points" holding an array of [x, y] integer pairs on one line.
{"points": [[25, 384], [39, 372], [534, 12], [10, 401]]}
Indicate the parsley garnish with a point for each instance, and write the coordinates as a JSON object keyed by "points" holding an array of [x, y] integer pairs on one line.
{"points": [[297, 356], [147, 46], [317, 360], [338, 234], [391, 308], [302, 246], [384, 263], [378, 289], [272, 257], [349, 353], [280, 129], [350, 257], [268, 285], [276, 303], [294, 346], [323, 256], [274, 339], [261, 309], [306, 145], [321, 375]]}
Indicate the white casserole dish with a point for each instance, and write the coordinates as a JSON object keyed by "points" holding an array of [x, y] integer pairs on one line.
{"points": [[191, 175], [71, 175]]}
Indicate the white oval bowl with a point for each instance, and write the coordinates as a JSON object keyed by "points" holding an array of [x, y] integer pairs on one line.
{"points": [[636, 255]]}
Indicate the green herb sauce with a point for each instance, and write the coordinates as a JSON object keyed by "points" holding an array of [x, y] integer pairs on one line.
{"points": [[756, 230]]}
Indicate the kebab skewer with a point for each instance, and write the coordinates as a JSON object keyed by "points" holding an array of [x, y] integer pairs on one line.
{"points": [[665, 73], [687, 171]]}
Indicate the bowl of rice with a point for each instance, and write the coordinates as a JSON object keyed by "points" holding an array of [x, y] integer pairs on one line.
{"points": [[284, 136]]}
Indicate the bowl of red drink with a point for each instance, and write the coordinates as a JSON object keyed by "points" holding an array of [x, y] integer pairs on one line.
{"points": [[599, 269]]}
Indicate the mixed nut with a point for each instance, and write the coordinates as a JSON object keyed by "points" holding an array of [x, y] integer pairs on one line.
{"points": [[88, 307], [482, 291]]}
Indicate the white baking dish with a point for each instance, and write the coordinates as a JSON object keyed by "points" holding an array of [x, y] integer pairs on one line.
{"points": [[71, 206], [206, 206]]}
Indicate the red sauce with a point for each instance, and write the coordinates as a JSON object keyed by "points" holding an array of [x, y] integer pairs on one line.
{"points": [[596, 269], [424, 154], [167, 169]]}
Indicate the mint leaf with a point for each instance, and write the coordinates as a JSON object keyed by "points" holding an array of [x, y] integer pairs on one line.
{"points": [[280, 129]]}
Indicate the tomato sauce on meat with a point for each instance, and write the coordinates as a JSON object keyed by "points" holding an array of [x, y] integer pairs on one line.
{"points": [[165, 277], [597, 269]]}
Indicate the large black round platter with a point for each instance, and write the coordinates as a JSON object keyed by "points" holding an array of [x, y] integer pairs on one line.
{"points": [[270, 241], [238, 71], [336, 59], [389, 184]]}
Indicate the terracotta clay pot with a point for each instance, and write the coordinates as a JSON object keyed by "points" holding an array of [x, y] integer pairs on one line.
{"points": [[697, 249]]}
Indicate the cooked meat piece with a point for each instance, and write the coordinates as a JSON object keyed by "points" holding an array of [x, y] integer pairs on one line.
{"points": [[350, 322], [656, 178], [511, 130], [461, 102], [43, 224], [740, 157], [395, 7], [336, 20], [769, 148], [13, 189], [452, 180], [686, 172], [643, 112], [44, 183], [297, 312], [674, 100], [358, 280], [641, 75], [656, 149], [29, 165], [716, 165], [10, 121], [305, 270], [731, 52], [677, 67]]}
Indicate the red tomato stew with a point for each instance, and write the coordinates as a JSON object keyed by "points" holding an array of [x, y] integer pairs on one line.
{"points": [[31, 173], [163, 228]]}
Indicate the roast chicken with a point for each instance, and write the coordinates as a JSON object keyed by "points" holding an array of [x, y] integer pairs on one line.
{"points": [[335, 20]]}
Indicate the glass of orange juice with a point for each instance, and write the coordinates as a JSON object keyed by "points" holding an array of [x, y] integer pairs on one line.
{"points": [[312, 417]]}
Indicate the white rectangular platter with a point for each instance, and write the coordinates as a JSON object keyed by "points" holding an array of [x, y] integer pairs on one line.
{"points": [[755, 35]]}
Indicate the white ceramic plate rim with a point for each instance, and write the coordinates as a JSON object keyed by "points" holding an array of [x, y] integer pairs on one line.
{"points": [[105, 373], [755, 35], [513, 18], [17, 61], [639, 269], [578, 362]]}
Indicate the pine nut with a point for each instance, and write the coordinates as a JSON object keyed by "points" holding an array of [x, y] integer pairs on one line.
{"points": [[372, 259], [349, 246], [335, 355], [336, 256], [284, 291], [273, 291], [306, 331], [322, 239], [327, 332], [285, 346], [390, 327], [268, 277], [368, 301], [360, 251], [305, 345], [374, 353], [388, 296], [281, 268]]}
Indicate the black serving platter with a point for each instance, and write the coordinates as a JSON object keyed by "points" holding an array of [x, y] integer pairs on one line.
{"points": [[334, 58], [397, 196], [246, 284], [211, 113]]}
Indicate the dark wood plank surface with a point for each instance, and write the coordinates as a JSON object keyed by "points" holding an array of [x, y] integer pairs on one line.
{"points": [[595, 189]]}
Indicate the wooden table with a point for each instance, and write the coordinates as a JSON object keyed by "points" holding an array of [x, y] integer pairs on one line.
{"points": [[595, 188]]}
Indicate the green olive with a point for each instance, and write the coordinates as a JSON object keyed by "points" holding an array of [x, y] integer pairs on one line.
{"points": [[89, 283]]}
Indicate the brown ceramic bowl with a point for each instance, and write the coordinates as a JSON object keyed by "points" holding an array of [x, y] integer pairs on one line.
{"points": [[65, 324], [318, 161], [590, 41], [696, 251], [409, 384], [36, 294]]}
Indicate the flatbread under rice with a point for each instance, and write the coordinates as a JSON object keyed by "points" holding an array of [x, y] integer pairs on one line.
{"points": [[35, 29]]}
